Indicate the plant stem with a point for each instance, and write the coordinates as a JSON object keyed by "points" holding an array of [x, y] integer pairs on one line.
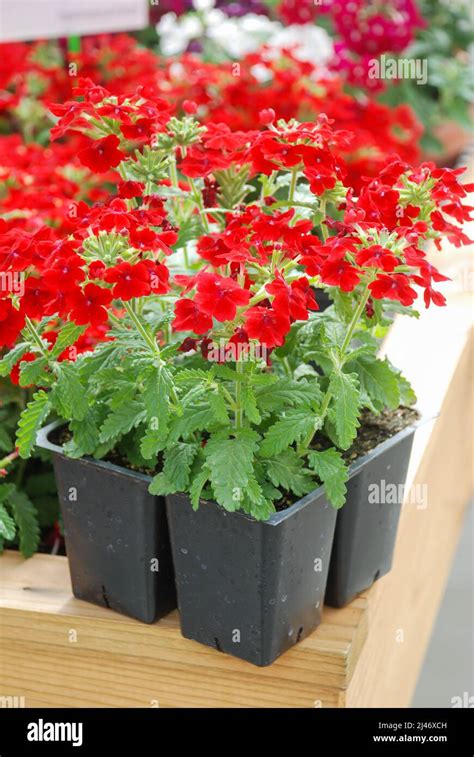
{"points": [[174, 174], [347, 340], [239, 411], [355, 318], [36, 337], [142, 331], [294, 179], [287, 367], [20, 472], [8, 459], [324, 228], [199, 203], [229, 398]]}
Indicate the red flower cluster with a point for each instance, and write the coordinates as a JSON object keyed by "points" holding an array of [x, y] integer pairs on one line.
{"points": [[257, 263], [287, 86]]}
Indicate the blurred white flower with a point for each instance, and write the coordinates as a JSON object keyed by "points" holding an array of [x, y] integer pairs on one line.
{"points": [[176, 33], [311, 43], [203, 5], [239, 36]]}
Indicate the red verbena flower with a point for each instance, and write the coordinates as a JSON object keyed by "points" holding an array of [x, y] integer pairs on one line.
{"points": [[89, 305], [11, 323], [267, 326], [219, 296], [395, 287], [377, 256], [340, 273], [102, 154], [129, 280], [189, 317]]}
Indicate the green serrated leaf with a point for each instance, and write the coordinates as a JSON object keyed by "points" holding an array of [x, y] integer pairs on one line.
{"points": [[69, 395], [31, 421], [344, 388], [7, 525], [9, 360], [193, 419], [192, 374], [6, 442], [407, 393], [225, 372], [292, 427], [377, 380], [156, 398], [219, 407], [330, 467], [86, 434], [26, 517], [230, 462], [31, 373], [152, 443], [5, 491], [287, 470], [67, 336], [121, 421], [176, 469], [249, 403], [287, 393], [197, 485]]}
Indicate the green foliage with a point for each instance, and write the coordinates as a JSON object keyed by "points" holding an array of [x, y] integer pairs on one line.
{"points": [[26, 518], [344, 411], [177, 462], [230, 466], [28, 498], [378, 382], [31, 420], [68, 335], [293, 427], [287, 470], [68, 395], [121, 420], [331, 469], [11, 358]]}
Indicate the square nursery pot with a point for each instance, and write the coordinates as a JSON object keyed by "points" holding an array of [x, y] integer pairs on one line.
{"points": [[117, 538], [250, 588], [366, 530]]}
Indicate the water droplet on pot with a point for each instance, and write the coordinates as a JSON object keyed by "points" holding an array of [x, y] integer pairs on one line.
{"points": [[204, 567], [284, 598], [271, 601], [290, 632], [184, 551]]}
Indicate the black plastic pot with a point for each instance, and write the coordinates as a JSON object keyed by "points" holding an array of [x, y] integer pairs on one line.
{"points": [[366, 530], [117, 538], [249, 588]]}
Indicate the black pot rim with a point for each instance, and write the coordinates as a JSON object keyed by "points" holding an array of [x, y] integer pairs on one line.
{"points": [[42, 440], [276, 518]]}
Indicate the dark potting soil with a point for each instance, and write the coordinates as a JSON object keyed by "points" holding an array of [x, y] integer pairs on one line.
{"points": [[62, 435], [373, 430]]}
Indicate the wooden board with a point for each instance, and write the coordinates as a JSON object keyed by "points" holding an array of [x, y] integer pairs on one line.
{"points": [[59, 651]]}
